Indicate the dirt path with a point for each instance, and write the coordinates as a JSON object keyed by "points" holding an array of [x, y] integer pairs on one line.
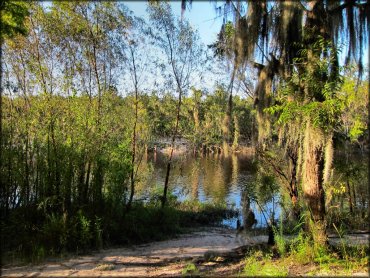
{"points": [[164, 258], [158, 258]]}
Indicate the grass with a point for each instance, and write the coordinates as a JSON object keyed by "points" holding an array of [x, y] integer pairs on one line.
{"points": [[104, 267], [258, 263], [53, 236], [301, 257], [190, 269]]}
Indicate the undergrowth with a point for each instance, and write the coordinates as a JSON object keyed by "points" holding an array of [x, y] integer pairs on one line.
{"points": [[56, 235], [289, 257]]}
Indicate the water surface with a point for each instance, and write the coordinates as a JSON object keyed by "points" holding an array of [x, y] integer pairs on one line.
{"points": [[208, 178]]}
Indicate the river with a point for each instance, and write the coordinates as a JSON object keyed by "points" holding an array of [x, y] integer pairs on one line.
{"points": [[211, 178]]}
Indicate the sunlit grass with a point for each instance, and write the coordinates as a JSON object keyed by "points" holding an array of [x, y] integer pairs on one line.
{"points": [[190, 269], [301, 257]]}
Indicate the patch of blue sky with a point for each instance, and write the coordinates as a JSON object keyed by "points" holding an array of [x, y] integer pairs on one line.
{"points": [[201, 15]]}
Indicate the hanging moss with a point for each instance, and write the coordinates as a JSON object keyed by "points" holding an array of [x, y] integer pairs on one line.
{"points": [[329, 154]]}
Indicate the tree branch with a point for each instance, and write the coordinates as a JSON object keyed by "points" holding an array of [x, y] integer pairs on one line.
{"points": [[346, 5]]}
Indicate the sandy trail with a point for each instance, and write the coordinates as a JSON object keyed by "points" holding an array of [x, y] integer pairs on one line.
{"points": [[153, 259], [163, 258]]}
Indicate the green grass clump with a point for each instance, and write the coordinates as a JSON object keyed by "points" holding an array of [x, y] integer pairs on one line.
{"points": [[190, 269], [104, 267], [302, 256], [259, 264]]}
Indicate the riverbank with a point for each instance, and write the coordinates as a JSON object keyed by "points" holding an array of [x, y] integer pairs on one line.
{"points": [[168, 257], [183, 146], [145, 222], [205, 251]]}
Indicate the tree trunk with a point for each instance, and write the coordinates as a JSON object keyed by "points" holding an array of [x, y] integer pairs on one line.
{"points": [[354, 202], [98, 182], [134, 135], [68, 184], [164, 197], [1, 124], [226, 125], [313, 190], [349, 196], [196, 123], [132, 175], [293, 183], [236, 133]]}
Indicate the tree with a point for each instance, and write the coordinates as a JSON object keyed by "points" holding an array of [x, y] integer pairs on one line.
{"points": [[179, 44], [87, 33], [13, 16], [351, 131], [137, 63], [303, 34], [65, 141], [12, 23]]}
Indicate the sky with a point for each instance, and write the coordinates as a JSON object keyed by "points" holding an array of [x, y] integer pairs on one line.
{"points": [[201, 15]]}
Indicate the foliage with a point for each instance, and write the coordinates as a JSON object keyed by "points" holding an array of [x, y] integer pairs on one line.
{"points": [[296, 49], [354, 99], [13, 14], [190, 269], [259, 264], [301, 257], [74, 73], [281, 244], [180, 44], [104, 267], [324, 107]]}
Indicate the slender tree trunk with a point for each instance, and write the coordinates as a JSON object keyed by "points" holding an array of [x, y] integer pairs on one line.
{"points": [[195, 182], [164, 197], [236, 133], [349, 195], [57, 174], [49, 189], [87, 183], [226, 125], [354, 202], [293, 183], [132, 175], [196, 124], [2, 173], [98, 182], [134, 135], [68, 183], [348, 174], [81, 179], [27, 173]]}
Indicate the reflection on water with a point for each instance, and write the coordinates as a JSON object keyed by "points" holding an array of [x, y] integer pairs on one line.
{"points": [[208, 178]]}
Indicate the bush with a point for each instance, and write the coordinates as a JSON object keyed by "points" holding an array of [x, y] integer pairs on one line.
{"points": [[54, 234]]}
